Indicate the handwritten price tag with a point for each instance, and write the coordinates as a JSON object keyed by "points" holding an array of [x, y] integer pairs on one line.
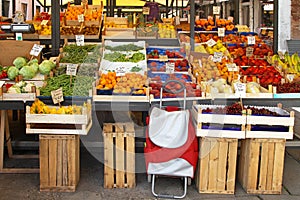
{"points": [[211, 43], [36, 50], [79, 40], [80, 18], [57, 96], [216, 10], [146, 10], [120, 71], [170, 67], [240, 89], [251, 39], [249, 51], [44, 22], [232, 67], [221, 32], [72, 69], [163, 58], [217, 57]]}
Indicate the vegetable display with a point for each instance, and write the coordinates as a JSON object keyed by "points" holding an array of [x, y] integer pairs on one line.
{"points": [[120, 57], [39, 107], [79, 86], [125, 47], [80, 54]]}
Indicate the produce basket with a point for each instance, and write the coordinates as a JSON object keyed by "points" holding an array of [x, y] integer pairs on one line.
{"points": [[218, 125], [70, 124]]}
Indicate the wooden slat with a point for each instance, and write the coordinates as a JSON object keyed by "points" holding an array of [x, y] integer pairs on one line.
{"points": [[222, 165], [263, 167], [204, 164], [59, 163], [120, 167], [71, 162], [2, 123], [232, 156], [44, 162], [77, 156], [270, 165], [65, 163], [108, 161], [253, 165], [52, 162], [130, 161], [242, 161], [278, 166], [7, 135], [213, 165]]}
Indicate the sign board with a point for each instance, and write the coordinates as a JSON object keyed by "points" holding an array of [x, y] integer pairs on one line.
{"points": [[81, 18], [163, 58], [79, 40], [36, 50], [170, 67], [251, 39], [216, 10], [57, 96], [72, 69], [221, 32], [146, 10], [232, 67], [211, 43], [240, 89], [249, 51], [218, 56]]}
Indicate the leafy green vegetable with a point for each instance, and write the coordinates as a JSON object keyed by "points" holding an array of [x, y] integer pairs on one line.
{"points": [[27, 72], [19, 62], [125, 47], [119, 57], [46, 66], [12, 72], [33, 61]]}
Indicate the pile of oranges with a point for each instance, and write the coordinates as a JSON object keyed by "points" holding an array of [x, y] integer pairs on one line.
{"points": [[108, 81], [73, 12], [92, 15]]}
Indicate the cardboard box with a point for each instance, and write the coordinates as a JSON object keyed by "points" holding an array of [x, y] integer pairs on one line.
{"points": [[10, 49]]}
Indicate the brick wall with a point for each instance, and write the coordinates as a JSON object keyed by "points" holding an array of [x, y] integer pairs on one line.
{"points": [[295, 19]]}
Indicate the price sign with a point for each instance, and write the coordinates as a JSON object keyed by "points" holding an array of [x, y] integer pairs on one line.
{"points": [[217, 57], [281, 55], [251, 40], [44, 22], [146, 10], [79, 40], [211, 43], [221, 32], [36, 50], [163, 58], [120, 71], [290, 77], [57, 96], [240, 89], [232, 67], [170, 67], [81, 18], [216, 10], [249, 51], [72, 69]]}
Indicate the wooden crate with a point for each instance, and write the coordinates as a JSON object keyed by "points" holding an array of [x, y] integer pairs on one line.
{"points": [[261, 165], [119, 155], [226, 126], [279, 127], [216, 168], [59, 162]]}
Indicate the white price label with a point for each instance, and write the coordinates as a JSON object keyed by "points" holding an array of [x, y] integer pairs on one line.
{"points": [[170, 67], [120, 71], [232, 67], [72, 69], [36, 50], [146, 10], [249, 51], [80, 18], [57, 96], [221, 32], [216, 10], [211, 42], [79, 40], [44, 22], [251, 39], [290, 77], [163, 58], [218, 56], [240, 89]]}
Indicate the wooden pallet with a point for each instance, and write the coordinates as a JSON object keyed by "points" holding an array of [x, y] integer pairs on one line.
{"points": [[59, 162], [119, 155], [216, 168], [239, 121], [261, 165]]}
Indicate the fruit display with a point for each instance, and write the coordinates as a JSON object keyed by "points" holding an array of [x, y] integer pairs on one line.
{"points": [[164, 77], [155, 53], [73, 12], [3, 72], [77, 30], [39, 107], [124, 57], [290, 64], [218, 47], [160, 66], [107, 81], [210, 24], [129, 82], [166, 30], [288, 88]]}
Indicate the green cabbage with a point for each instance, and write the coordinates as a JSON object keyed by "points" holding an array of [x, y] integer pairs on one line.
{"points": [[27, 72], [35, 60], [35, 67], [19, 62], [46, 66], [12, 72]]}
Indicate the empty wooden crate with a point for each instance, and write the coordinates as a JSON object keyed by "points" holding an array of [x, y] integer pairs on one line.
{"points": [[261, 165], [119, 155], [59, 162], [216, 169]]}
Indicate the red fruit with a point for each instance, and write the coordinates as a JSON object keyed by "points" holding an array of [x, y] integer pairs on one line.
{"points": [[153, 64], [155, 56]]}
